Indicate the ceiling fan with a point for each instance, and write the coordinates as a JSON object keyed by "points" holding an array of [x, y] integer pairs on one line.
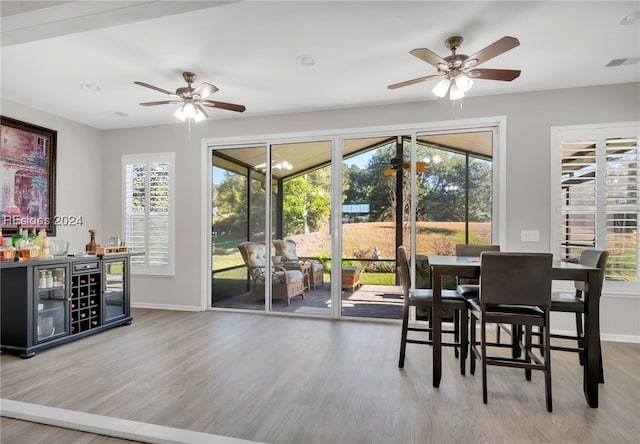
{"points": [[458, 70], [394, 166], [192, 100]]}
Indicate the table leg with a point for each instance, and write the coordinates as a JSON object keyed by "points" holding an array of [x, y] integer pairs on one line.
{"points": [[592, 352], [436, 326]]}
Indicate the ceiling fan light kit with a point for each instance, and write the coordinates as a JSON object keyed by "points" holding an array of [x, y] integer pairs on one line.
{"points": [[191, 100], [442, 87], [459, 69], [190, 111]]}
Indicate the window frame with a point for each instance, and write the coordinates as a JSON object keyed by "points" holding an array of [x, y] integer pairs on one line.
{"points": [[147, 159], [595, 132]]}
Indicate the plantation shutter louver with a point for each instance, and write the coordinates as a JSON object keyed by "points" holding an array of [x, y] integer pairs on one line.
{"points": [[621, 206], [147, 212], [599, 205], [578, 198]]}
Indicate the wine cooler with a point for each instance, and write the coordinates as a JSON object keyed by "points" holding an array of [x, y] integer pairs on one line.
{"points": [[115, 292], [51, 303]]}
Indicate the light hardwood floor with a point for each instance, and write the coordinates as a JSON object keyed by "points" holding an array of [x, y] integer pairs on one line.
{"points": [[296, 380]]}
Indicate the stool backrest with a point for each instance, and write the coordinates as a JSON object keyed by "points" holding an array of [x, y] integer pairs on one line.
{"points": [[403, 262], [515, 278], [474, 250], [593, 258]]}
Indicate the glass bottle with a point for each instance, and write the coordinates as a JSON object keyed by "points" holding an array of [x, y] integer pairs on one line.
{"points": [[16, 236], [19, 240], [44, 243], [91, 246], [42, 283]]}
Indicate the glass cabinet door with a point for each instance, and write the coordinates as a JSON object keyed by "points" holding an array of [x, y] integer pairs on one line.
{"points": [[114, 289], [51, 302]]}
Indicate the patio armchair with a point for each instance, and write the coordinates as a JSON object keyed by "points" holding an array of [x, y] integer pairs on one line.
{"points": [[290, 260], [285, 283]]}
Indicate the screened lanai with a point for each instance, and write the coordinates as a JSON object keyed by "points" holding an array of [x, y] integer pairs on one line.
{"points": [[454, 194]]}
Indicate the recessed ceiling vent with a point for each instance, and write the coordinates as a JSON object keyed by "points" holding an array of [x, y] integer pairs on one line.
{"points": [[621, 62]]}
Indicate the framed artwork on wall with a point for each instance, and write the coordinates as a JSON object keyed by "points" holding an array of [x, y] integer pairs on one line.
{"points": [[27, 176]]}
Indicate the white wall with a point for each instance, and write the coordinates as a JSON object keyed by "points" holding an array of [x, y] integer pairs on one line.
{"points": [[79, 182], [529, 119]]}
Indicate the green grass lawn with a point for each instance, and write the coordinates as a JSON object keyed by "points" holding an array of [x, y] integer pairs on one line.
{"points": [[378, 278]]}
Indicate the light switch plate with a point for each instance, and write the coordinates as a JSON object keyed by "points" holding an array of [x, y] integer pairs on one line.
{"points": [[530, 236]]}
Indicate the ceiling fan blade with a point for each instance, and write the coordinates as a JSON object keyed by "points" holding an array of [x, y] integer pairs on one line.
{"points": [[389, 172], [204, 90], [162, 102], [223, 105], [146, 85], [495, 49], [411, 82], [421, 167], [506, 75], [199, 107], [430, 57]]}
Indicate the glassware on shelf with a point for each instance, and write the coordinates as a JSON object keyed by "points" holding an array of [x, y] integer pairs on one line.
{"points": [[58, 247], [43, 241], [42, 282], [7, 253]]}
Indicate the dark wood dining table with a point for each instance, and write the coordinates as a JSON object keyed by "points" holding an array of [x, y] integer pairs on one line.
{"points": [[459, 266]]}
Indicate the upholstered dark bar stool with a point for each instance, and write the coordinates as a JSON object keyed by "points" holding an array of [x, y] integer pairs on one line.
{"points": [[515, 289], [423, 297], [573, 302], [468, 287]]}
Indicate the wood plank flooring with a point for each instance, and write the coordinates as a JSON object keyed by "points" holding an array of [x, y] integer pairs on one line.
{"points": [[297, 380]]}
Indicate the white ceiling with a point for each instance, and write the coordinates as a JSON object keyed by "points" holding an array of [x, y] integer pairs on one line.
{"points": [[249, 50]]}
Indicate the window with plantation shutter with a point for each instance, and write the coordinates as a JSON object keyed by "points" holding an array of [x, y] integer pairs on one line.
{"points": [[596, 175], [148, 211]]}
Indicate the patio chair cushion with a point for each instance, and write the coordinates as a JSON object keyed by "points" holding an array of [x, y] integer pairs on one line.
{"points": [[256, 255], [292, 276], [289, 251]]}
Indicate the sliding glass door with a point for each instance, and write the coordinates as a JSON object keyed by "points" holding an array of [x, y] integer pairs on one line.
{"points": [[374, 196], [301, 175], [238, 205], [281, 262]]}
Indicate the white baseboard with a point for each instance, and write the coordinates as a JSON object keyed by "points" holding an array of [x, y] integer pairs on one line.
{"points": [[165, 306], [604, 337], [621, 338]]}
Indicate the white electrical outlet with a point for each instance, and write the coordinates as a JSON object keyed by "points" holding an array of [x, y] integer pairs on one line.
{"points": [[530, 236]]}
